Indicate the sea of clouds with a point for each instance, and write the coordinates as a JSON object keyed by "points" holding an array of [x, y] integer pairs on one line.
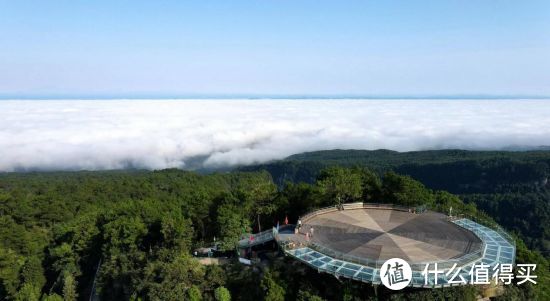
{"points": [[156, 134]]}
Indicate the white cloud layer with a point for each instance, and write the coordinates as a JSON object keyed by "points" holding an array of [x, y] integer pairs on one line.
{"points": [[156, 134]]}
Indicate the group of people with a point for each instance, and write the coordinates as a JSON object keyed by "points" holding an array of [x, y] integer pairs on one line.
{"points": [[308, 234]]}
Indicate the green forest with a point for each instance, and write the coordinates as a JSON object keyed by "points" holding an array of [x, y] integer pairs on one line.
{"points": [[130, 235]]}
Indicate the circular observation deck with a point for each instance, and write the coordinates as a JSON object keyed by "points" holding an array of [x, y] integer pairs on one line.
{"points": [[370, 235]]}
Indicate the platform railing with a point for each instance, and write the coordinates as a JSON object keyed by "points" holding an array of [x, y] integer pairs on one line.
{"points": [[493, 226], [259, 238], [351, 206]]}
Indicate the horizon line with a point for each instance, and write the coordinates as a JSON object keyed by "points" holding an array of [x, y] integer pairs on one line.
{"points": [[168, 96]]}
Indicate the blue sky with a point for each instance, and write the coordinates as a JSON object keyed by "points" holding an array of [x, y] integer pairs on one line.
{"points": [[164, 48]]}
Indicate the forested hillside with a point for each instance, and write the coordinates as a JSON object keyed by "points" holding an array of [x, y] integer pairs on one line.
{"points": [[306, 166], [135, 231], [512, 187]]}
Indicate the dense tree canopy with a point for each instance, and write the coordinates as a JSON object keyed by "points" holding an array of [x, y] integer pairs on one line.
{"points": [[340, 185], [129, 235]]}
